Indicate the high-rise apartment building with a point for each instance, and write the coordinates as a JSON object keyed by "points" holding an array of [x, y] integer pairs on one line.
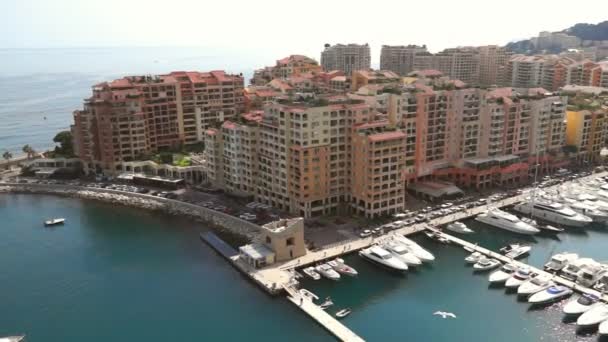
{"points": [[458, 63], [401, 58], [546, 71], [492, 62], [138, 115], [293, 65], [346, 58], [586, 131]]}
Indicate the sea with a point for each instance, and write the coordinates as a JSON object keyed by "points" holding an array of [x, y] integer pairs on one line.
{"points": [[41, 88], [114, 273]]}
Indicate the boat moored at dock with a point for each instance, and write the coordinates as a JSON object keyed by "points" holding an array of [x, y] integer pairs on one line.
{"points": [[551, 294], [401, 252], [580, 304], [594, 316], [415, 248], [382, 257], [534, 285], [485, 264], [515, 250], [328, 272], [459, 227], [501, 219], [553, 212], [341, 267], [518, 278], [501, 275], [310, 272], [602, 330], [473, 258]]}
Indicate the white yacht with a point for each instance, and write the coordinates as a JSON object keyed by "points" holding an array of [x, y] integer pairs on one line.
{"points": [[553, 212], [459, 227], [590, 210], [310, 271], [571, 270], [401, 252], [384, 258], [590, 274], [341, 267], [602, 330], [559, 261], [12, 338], [415, 248], [501, 219], [518, 278], [328, 272], [580, 304], [515, 250], [501, 275], [485, 264], [594, 316], [308, 295], [473, 258], [552, 293], [54, 222], [534, 285], [602, 283]]}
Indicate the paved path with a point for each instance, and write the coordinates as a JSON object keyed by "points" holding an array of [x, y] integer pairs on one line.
{"points": [[326, 320]]}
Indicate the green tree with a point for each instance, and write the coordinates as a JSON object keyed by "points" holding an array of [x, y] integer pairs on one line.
{"points": [[7, 156], [66, 144], [27, 149]]}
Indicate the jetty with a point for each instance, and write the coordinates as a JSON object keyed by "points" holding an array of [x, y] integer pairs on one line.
{"points": [[326, 320]]}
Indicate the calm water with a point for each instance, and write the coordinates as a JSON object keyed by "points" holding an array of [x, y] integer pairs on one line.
{"points": [[118, 274], [52, 83]]}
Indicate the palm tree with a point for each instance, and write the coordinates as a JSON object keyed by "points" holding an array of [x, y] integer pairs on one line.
{"points": [[27, 149], [7, 155]]}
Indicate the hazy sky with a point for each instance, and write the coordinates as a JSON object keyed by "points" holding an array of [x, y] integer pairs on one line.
{"points": [[272, 27]]}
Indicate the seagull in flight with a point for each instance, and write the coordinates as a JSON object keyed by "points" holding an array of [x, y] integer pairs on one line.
{"points": [[444, 314]]}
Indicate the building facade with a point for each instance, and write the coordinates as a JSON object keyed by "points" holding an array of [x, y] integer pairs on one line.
{"points": [[400, 59], [346, 58]]}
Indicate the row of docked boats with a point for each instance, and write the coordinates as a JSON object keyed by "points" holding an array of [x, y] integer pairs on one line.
{"points": [[332, 270], [397, 253], [583, 271]]}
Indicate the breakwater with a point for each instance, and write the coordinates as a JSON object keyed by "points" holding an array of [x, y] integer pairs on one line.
{"points": [[218, 219]]}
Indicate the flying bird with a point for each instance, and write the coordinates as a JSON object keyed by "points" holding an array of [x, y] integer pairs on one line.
{"points": [[444, 314]]}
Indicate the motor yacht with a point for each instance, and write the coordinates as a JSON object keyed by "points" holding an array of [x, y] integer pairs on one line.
{"points": [[590, 274], [501, 219], [602, 283], [553, 212], [473, 258], [534, 285], [518, 278], [401, 252], [459, 227], [501, 275], [571, 270], [551, 294], [328, 272], [515, 250], [485, 264], [415, 248], [580, 304], [594, 316], [590, 210], [54, 222], [602, 330], [342, 267], [310, 272], [383, 258], [559, 261]]}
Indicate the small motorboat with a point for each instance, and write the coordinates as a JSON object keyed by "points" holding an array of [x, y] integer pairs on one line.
{"points": [[580, 304], [328, 272], [550, 229], [473, 258], [603, 328], [365, 233], [343, 313], [518, 278], [515, 250], [534, 285], [436, 236], [327, 303], [54, 222], [459, 227], [551, 294], [501, 275], [594, 316], [310, 272], [342, 267], [559, 261], [308, 295], [485, 264]]}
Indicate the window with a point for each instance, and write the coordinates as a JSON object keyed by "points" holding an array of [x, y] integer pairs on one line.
{"points": [[290, 241], [268, 240]]}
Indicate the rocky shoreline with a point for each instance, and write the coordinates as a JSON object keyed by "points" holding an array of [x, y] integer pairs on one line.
{"points": [[238, 229]]}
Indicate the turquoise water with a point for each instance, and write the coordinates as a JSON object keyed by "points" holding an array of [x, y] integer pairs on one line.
{"points": [[119, 274]]}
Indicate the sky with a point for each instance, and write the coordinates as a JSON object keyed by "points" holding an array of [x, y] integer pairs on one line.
{"points": [[277, 28]]}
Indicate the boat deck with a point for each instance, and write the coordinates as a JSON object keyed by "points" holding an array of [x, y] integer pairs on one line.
{"points": [[326, 320]]}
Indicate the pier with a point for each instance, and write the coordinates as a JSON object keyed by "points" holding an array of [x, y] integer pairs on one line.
{"points": [[557, 279], [326, 320]]}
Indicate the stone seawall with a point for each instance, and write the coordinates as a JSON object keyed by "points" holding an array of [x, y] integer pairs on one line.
{"points": [[219, 219]]}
